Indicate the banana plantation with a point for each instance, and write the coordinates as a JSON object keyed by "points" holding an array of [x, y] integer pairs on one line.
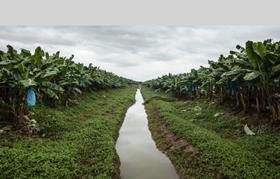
{"points": [[63, 119], [49, 79], [248, 77]]}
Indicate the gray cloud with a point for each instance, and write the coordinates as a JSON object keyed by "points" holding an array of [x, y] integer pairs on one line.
{"points": [[31, 35], [138, 52]]}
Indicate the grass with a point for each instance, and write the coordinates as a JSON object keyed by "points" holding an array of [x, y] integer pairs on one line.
{"points": [[77, 141], [224, 150]]}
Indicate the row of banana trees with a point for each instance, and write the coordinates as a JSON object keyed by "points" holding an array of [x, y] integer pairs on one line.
{"points": [[248, 77], [54, 80]]}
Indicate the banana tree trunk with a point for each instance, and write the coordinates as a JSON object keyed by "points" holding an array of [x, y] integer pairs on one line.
{"points": [[247, 97], [222, 95], [258, 106], [267, 98], [243, 100], [263, 103], [197, 93], [273, 112], [20, 108], [210, 91], [237, 100], [278, 110]]}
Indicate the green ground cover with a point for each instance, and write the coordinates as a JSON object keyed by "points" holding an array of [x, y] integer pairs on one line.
{"points": [[75, 142], [224, 150]]}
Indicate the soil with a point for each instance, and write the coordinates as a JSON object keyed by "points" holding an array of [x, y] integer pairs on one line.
{"points": [[167, 141]]}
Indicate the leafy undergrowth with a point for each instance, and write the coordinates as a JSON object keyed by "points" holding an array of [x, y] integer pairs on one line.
{"points": [[76, 141], [224, 150]]}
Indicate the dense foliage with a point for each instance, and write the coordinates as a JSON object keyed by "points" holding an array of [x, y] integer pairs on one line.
{"points": [[55, 80], [248, 77]]}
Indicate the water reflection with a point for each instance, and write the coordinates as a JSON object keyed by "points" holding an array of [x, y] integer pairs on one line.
{"points": [[140, 159]]}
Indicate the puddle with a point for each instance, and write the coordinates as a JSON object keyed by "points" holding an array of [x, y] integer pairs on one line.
{"points": [[139, 156]]}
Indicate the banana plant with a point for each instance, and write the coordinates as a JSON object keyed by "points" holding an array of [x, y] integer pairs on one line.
{"points": [[17, 77], [248, 76], [54, 79]]}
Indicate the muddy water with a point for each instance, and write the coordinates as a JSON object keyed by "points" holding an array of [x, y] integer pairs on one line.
{"points": [[139, 156]]}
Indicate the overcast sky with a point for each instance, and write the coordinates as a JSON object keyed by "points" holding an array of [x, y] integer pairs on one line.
{"points": [[138, 52]]}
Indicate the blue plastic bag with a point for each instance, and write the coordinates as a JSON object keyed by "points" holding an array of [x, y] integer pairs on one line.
{"points": [[193, 88], [186, 87], [30, 97], [228, 85], [231, 86]]}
